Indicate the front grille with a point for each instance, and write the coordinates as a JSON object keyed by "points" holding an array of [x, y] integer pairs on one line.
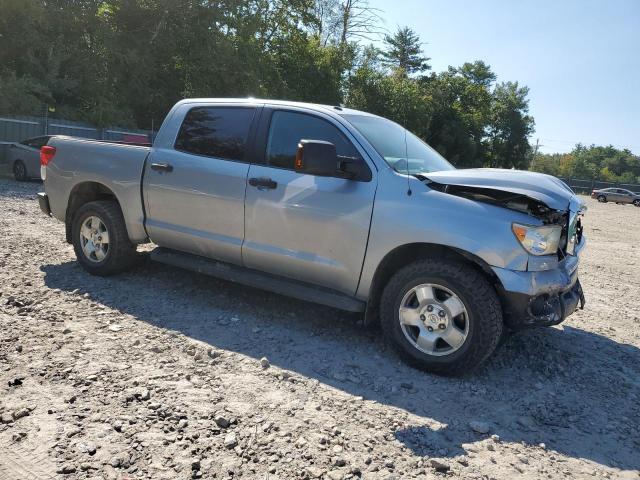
{"points": [[579, 230], [574, 232]]}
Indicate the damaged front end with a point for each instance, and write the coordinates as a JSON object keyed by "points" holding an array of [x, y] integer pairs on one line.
{"points": [[571, 227], [549, 290]]}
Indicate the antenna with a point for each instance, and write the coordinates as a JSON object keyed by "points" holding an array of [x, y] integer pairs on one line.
{"points": [[406, 148], [406, 157]]}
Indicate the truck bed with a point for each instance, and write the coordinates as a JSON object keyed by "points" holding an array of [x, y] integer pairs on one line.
{"points": [[79, 163]]}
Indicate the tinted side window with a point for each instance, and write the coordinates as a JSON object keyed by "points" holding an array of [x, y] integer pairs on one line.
{"points": [[219, 132], [288, 128]]}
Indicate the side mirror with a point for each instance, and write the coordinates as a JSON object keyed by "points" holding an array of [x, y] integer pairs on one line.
{"points": [[317, 157]]}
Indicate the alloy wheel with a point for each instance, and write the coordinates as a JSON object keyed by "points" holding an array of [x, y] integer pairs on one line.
{"points": [[434, 319], [94, 239]]}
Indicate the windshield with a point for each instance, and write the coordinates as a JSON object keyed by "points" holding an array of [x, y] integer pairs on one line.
{"points": [[401, 149]]}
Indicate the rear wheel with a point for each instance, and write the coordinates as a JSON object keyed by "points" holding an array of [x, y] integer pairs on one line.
{"points": [[602, 199], [441, 316], [19, 171], [100, 238]]}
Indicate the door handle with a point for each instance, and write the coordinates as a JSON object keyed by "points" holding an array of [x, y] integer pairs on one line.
{"points": [[162, 167], [263, 183]]}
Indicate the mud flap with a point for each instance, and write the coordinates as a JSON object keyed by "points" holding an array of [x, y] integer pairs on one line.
{"points": [[581, 294]]}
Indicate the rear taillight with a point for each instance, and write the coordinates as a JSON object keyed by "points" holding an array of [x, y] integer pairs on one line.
{"points": [[46, 155]]}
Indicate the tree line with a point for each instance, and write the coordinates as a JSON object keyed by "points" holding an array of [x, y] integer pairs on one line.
{"points": [[607, 164], [126, 62]]}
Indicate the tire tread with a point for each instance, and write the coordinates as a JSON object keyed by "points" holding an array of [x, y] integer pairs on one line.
{"points": [[123, 252], [488, 329]]}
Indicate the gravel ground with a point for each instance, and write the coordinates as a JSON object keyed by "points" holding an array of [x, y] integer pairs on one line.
{"points": [[165, 374]]}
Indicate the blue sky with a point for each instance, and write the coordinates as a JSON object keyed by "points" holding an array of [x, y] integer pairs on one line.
{"points": [[580, 58]]}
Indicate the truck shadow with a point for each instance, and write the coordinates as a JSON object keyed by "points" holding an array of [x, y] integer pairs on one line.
{"points": [[575, 391]]}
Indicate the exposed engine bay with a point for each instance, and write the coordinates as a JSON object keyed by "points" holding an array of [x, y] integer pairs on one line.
{"points": [[514, 201]]}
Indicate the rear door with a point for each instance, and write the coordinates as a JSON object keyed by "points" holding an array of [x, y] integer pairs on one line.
{"points": [[306, 227], [194, 188], [611, 194]]}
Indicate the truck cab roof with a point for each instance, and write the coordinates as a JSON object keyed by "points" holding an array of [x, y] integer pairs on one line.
{"points": [[336, 109]]}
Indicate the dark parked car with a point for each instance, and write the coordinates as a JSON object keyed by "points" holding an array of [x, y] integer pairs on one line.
{"points": [[618, 195], [24, 157]]}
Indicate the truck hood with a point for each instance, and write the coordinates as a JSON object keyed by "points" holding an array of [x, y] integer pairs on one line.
{"points": [[546, 189]]}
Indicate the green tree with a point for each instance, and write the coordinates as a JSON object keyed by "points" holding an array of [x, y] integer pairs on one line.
{"points": [[392, 96], [604, 163], [478, 73], [461, 100], [510, 127], [404, 51], [549, 163], [127, 62]]}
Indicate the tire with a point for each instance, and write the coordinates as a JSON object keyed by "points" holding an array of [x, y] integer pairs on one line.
{"points": [[20, 171], [636, 203], [119, 253], [482, 316], [602, 199]]}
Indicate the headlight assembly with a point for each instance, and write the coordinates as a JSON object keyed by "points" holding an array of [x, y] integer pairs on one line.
{"points": [[538, 240]]}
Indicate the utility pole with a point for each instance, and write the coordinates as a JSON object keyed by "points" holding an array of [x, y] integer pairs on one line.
{"points": [[535, 154], [48, 108], [46, 119]]}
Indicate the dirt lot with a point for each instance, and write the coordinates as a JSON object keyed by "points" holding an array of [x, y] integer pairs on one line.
{"points": [[163, 374]]}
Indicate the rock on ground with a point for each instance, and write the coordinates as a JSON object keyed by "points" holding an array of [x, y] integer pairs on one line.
{"points": [[164, 374]]}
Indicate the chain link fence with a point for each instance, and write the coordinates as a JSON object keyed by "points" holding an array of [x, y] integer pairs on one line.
{"points": [[587, 186]]}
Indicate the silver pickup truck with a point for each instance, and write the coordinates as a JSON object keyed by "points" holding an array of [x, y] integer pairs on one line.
{"points": [[333, 206]]}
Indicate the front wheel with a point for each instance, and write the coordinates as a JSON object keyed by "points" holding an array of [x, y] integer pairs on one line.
{"points": [[441, 316], [602, 199], [636, 203], [100, 238], [19, 171]]}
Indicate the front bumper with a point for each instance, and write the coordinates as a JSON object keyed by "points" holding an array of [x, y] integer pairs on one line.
{"points": [[541, 298], [523, 311], [43, 201]]}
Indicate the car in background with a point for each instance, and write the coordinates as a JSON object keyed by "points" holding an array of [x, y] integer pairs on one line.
{"points": [[617, 195], [24, 157]]}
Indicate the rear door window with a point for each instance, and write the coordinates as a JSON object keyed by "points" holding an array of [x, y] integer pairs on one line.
{"points": [[218, 132]]}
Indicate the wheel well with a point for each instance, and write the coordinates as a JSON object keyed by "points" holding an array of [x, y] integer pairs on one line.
{"points": [[84, 193], [405, 254]]}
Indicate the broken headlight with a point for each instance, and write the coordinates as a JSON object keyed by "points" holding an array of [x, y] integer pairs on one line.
{"points": [[542, 240]]}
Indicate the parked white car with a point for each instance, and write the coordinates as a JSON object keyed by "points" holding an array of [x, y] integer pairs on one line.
{"points": [[24, 157]]}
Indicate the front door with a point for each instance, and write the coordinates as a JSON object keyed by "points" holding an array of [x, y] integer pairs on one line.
{"points": [[625, 196], [301, 226], [194, 189]]}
